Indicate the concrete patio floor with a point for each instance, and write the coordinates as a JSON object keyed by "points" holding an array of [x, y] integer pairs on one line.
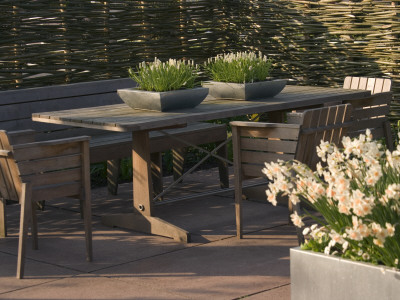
{"points": [[132, 265]]}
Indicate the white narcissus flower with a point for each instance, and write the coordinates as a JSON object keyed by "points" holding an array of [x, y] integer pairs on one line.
{"points": [[379, 243], [336, 238], [393, 191], [271, 197], [390, 229], [296, 220], [294, 198], [353, 234]]}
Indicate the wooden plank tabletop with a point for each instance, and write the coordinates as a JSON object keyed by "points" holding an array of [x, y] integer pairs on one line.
{"points": [[121, 117]]}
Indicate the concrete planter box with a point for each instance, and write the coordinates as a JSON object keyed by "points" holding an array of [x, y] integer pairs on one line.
{"points": [[163, 101], [245, 91], [318, 276]]}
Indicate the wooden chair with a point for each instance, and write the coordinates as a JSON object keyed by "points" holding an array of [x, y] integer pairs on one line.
{"points": [[371, 112], [255, 143], [44, 171]]}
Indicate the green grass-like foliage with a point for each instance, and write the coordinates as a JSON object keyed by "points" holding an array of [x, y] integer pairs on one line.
{"points": [[161, 76], [239, 67]]}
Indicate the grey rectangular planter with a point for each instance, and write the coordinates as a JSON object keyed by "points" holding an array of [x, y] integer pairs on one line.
{"points": [[318, 276], [163, 101], [245, 91]]}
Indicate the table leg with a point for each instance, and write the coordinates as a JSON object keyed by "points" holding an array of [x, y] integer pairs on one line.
{"points": [[142, 219]]}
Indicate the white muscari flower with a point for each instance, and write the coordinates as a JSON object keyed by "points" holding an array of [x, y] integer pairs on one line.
{"points": [[306, 231], [365, 256], [345, 245], [327, 250]]}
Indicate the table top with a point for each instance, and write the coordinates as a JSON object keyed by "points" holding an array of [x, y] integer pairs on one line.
{"points": [[120, 117]]}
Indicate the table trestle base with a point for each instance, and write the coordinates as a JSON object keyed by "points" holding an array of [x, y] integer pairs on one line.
{"points": [[147, 224]]}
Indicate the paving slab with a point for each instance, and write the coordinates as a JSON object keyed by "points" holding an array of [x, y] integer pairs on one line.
{"points": [[62, 243], [278, 293], [89, 287], [223, 269], [132, 265], [36, 273]]}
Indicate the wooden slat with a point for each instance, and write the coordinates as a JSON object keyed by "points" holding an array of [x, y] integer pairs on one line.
{"points": [[377, 133], [252, 170], [8, 190], [51, 178], [354, 83], [50, 164], [378, 99], [47, 149], [57, 191], [22, 136], [347, 82], [268, 145], [371, 84], [375, 85], [257, 157], [10, 172], [370, 112], [362, 85], [94, 88], [368, 123], [282, 133]]}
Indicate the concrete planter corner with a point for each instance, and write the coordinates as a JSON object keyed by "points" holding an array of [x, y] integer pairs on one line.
{"points": [[163, 101], [245, 91], [318, 276]]}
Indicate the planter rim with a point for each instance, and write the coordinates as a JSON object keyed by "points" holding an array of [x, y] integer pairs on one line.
{"points": [[246, 83], [154, 92], [163, 101], [344, 260]]}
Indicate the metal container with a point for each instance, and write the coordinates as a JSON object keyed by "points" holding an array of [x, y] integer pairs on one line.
{"points": [[318, 276]]}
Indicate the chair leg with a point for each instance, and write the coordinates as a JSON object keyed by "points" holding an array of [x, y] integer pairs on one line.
{"points": [[113, 168], [178, 160], [34, 231], [238, 207], [3, 218], [26, 207], [87, 212], [223, 168]]}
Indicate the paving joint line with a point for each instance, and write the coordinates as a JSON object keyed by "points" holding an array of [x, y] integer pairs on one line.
{"points": [[256, 293]]}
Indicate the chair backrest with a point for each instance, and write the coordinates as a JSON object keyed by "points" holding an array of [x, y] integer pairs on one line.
{"points": [[57, 168], [255, 143], [371, 113], [375, 85]]}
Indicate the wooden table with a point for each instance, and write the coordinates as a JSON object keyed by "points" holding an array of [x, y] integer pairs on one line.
{"points": [[120, 117]]}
